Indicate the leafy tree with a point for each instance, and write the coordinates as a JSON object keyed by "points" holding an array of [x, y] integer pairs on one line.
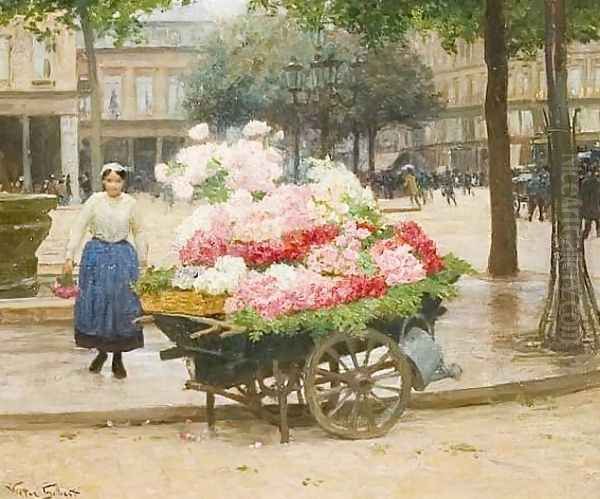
{"points": [[241, 78], [510, 28], [394, 88], [117, 18]]}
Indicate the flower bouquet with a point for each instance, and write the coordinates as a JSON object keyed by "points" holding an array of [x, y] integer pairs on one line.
{"points": [[65, 287], [315, 257]]}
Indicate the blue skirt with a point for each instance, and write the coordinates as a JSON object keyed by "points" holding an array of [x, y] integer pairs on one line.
{"points": [[107, 304]]}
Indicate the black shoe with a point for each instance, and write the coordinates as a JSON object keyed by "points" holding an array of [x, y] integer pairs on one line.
{"points": [[118, 368], [98, 362]]}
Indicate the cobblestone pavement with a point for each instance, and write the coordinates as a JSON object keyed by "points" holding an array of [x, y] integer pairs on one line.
{"points": [[548, 450]]}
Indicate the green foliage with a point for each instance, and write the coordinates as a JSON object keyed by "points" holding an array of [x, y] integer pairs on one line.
{"points": [[353, 318], [213, 189], [382, 22], [241, 77], [154, 280], [119, 19]]}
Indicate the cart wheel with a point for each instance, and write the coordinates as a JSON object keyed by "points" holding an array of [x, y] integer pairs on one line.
{"points": [[367, 392]]}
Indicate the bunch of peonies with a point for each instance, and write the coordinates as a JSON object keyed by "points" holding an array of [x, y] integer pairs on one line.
{"points": [[199, 133], [256, 129], [251, 166], [284, 290], [424, 247], [334, 187], [342, 256], [223, 278], [245, 164]]}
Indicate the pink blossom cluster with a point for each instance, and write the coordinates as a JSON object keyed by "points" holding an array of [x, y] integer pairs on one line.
{"points": [[397, 263], [251, 166], [340, 257], [268, 296]]}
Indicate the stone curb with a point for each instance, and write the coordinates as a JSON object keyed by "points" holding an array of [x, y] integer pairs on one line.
{"points": [[36, 310], [525, 392]]}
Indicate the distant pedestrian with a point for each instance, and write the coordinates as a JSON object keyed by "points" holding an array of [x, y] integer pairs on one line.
{"points": [[411, 188], [536, 196], [53, 186], [590, 203], [468, 184], [448, 191]]}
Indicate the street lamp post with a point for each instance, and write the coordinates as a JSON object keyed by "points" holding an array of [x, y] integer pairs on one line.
{"points": [[294, 72], [323, 79]]}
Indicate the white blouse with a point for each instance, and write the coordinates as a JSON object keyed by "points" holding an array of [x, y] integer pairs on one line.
{"points": [[109, 219]]}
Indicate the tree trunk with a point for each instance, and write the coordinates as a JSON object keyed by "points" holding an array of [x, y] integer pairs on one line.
{"points": [[568, 334], [95, 97], [356, 151], [372, 136], [503, 251]]}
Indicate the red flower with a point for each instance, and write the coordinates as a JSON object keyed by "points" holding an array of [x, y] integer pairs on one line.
{"points": [[411, 233]]}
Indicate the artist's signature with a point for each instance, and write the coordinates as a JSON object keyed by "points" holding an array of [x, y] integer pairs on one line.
{"points": [[46, 491]]}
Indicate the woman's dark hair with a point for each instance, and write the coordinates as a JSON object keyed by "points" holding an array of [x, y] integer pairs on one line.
{"points": [[120, 173]]}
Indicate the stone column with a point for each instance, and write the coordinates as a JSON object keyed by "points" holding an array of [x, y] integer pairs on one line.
{"points": [[69, 153], [159, 148], [130, 155], [26, 151]]}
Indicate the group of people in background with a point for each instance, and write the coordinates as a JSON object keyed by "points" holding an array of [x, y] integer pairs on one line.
{"points": [[419, 185]]}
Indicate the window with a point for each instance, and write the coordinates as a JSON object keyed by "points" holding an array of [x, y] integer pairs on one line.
{"points": [[112, 97], [4, 58], [143, 87], [42, 64], [597, 80], [85, 106], [527, 123], [575, 82], [542, 85], [514, 123], [176, 95]]}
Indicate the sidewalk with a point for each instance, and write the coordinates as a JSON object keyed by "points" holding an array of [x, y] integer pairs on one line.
{"points": [[489, 330]]}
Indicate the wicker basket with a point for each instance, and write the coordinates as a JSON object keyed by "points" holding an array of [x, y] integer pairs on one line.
{"points": [[183, 302]]}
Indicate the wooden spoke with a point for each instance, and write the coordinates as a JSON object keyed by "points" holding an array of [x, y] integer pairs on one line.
{"points": [[389, 388], [340, 403], [324, 394], [337, 358], [352, 353], [331, 376], [389, 375], [370, 345], [381, 363]]}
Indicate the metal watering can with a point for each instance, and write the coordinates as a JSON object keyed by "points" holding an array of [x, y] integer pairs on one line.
{"points": [[427, 359]]}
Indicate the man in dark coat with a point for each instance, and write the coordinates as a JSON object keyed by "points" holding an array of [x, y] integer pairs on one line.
{"points": [[590, 203]]}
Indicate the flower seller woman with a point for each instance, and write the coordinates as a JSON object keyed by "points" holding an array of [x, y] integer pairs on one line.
{"points": [[107, 306]]}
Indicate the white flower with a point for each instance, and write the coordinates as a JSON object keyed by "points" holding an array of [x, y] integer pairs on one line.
{"points": [[286, 275], [279, 136], [185, 276], [223, 278], [182, 189], [256, 129], [199, 133], [161, 173]]}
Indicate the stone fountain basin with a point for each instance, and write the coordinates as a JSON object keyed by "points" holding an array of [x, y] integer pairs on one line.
{"points": [[24, 224]]}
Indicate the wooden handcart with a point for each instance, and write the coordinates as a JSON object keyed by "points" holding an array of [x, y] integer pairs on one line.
{"points": [[355, 386]]}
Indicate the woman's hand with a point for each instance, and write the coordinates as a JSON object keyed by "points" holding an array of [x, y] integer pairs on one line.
{"points": [[68, 266]]}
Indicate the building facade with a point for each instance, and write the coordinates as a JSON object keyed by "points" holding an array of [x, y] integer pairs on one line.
{"points": [[143, 90], [38, 107], [459, 137]]}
